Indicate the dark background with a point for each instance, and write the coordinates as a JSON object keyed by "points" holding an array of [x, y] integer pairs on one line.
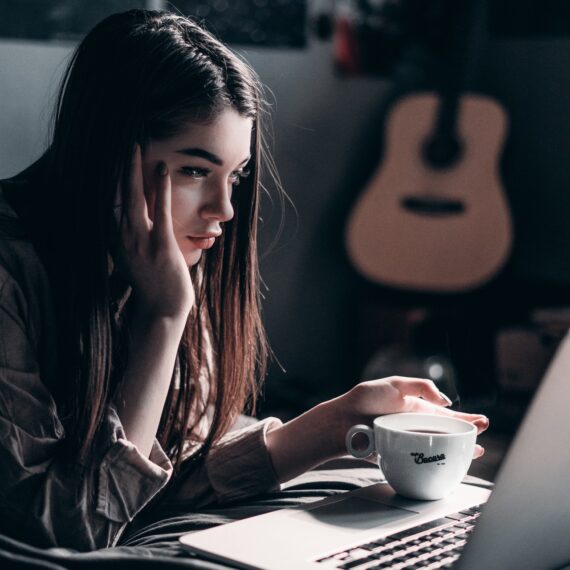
{"points": [[324, 321]]}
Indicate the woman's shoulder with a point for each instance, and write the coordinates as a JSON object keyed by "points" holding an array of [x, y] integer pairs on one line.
{"points": [[11, 228], [19, 262]]}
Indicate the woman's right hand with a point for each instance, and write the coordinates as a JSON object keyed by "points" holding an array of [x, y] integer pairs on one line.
{"points": [[148, 253]]}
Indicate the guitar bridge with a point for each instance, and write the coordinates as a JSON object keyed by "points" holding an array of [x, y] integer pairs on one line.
{"points": [[433, 206]]}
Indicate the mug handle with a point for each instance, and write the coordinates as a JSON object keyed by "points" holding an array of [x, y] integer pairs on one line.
{"points": [[365, 430]]}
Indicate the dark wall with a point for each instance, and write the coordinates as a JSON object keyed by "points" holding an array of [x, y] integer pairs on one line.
{"points": [[328, 133], [314, 309], [531, 77]]}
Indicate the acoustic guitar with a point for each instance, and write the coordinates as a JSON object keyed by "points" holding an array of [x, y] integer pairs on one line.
{"points": [[434, 216]]}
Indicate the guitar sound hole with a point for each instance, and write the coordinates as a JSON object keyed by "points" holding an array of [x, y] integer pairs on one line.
{"points": [[431, 206], [442, 152]]}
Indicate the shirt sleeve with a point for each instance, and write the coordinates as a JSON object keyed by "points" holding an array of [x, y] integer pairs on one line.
{"points": [[238, 466], [43, 500]]}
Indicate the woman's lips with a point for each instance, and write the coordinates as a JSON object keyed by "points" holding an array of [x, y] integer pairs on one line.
{"points": [[202, 242]]}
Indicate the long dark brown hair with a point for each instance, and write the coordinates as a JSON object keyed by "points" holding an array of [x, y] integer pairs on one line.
{"points": [[140, 76]]}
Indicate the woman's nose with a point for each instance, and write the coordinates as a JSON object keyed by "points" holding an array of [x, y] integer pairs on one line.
{"points": [[217, 204]]}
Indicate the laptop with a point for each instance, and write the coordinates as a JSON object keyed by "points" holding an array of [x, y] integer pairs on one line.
{"points": [[524, 524]]}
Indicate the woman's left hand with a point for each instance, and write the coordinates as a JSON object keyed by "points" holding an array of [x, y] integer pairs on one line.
{"points": [[318, 435], [373, 398]]}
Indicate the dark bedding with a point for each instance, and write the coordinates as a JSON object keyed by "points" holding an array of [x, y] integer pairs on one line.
{"points": [[151, 541]]}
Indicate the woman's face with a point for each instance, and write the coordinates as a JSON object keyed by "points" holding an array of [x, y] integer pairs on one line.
{"points": [[205, 162]]}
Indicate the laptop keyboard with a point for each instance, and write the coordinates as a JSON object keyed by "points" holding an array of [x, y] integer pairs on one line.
{"points": [[436, 544]]}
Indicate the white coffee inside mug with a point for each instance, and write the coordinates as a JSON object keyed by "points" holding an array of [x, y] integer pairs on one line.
{"points": [[423, 456]]}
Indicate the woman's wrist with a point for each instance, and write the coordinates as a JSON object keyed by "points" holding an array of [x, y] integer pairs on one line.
{"points": [[306, 441], [329, 420], [144, 319], [340, 408]]}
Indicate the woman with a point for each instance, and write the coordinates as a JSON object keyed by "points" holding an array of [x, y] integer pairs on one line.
{"points": [[131, 332]]}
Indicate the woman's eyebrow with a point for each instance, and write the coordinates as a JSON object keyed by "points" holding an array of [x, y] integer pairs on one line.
{"points": [[206, 154], [202, 153]]}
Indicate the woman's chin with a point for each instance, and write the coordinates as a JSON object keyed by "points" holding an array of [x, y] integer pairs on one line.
{"points": [[192, 257]]}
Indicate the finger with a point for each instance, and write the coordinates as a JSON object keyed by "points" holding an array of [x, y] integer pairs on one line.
{"points": [[422, 388], [163, 203], [137, 212], [372, 458], [118, 210], [413, 404], [478, 452], [480, 421]]}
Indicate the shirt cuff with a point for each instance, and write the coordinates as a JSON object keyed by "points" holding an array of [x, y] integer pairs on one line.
{"points": [[127, 479], [240, 465]]}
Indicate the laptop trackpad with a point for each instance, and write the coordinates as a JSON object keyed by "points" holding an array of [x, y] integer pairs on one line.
{"points": [[355, 513]]}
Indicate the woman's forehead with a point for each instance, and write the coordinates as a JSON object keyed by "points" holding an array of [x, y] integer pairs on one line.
{"points": [[227, 135]]}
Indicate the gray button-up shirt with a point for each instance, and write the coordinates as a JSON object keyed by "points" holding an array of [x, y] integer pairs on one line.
{"points": [[42, 500]]}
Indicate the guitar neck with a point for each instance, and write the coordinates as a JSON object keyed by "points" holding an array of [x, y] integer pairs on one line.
{"points": [[447, 113], [443, 147]]}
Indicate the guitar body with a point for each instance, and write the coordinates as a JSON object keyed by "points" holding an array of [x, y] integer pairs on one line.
{"points": [[423, 228]]}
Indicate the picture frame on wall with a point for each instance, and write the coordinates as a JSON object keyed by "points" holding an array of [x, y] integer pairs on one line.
{"points": [[265, 23]]}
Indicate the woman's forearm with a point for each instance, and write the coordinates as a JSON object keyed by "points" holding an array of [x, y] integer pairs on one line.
{"points": [[306, 441], [318, 435], [152, 355]]}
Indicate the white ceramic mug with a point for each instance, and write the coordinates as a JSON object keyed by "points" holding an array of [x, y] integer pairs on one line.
{"points": [[423, 456]]}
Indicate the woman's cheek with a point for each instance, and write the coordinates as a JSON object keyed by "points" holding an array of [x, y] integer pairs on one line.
{"points": [[184, 211]]}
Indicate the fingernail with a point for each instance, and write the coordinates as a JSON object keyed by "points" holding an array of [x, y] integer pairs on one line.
{"points": [[162, 168], [447, 401]]}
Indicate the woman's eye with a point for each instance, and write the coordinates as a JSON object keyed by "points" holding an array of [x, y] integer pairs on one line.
{"points": [[195, 172], [237, 176]]}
